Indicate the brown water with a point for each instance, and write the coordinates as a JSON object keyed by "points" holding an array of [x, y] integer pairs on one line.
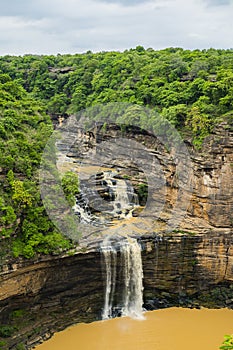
{"points": [[168, 329]]}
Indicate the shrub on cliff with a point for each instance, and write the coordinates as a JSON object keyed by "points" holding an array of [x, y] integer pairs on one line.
{"points": [[228, 343]]}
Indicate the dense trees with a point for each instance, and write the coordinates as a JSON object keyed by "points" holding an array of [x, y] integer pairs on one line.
{"points": [[180, 84], [24, 129], [192, 89]]}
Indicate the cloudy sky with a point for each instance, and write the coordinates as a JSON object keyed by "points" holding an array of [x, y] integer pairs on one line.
{"points": [[69, 26]]}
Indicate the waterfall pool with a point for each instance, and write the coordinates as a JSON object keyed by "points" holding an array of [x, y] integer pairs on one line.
{"points": [[167, 329]]}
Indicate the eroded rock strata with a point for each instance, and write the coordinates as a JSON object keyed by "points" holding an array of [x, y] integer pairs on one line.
{"points": [[54, 293], [189, 266]]}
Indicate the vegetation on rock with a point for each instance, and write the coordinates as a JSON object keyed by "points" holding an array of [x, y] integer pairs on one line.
{"points": [[24, 130], [192, 89], [228, 343]]}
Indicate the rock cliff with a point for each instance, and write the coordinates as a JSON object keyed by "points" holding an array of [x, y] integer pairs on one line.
{"points": [[191, 265], [200, 197], [43, 297]]}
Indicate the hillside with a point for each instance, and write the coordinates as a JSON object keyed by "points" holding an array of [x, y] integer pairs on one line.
{"points": [[192, 89]]}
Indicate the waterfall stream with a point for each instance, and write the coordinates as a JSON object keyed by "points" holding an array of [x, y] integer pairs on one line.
{"points": [[121, 194], [109, 197], [127, 255], [118, 199], [110, 260], [133, 287]]}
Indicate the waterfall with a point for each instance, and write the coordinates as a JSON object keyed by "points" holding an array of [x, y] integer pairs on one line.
{"points": [[81, 209], [119, 202], [123, 286], [82, 206], [130, 287], [110, 259], [121, 194], [133, 287]]}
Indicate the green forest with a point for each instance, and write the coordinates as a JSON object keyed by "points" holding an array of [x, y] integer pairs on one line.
{"points": [[193, 90]]}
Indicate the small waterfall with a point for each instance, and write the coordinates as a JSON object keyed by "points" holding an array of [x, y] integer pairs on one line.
{"points": [[82, 206], [133, 275], [118, 202], [121, 194], [81, 209], [130, 286], [110, 260]]}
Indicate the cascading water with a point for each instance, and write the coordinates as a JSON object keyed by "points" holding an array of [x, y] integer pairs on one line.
{"points": [[121, 194], [82, 208], [123, 285], [119, 202], [131, 279], [133, 276], [110, 262]]}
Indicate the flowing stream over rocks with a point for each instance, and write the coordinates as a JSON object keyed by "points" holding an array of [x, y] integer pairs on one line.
{"points": [[115, 199], [105, 198]]}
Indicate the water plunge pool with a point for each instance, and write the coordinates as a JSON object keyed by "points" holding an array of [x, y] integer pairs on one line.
{"points": [[167, 329]]}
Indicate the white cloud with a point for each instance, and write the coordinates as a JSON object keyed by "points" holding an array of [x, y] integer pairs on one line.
{"points": [[218, 2], [28, 36], [81, 25]]}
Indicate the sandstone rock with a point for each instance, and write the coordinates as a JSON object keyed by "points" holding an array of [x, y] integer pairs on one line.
{"points": [[191, 265]]}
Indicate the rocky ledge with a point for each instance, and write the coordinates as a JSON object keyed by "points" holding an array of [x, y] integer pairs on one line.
{"points": [[191, 265], [179, 270]]}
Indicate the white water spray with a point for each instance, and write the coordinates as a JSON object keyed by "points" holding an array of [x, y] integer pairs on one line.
{"points": [[124, 199], [110, 260], [131, 274], [133, 287]]}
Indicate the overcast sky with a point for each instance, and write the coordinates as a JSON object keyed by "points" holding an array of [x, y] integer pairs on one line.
{"points": [[70, 26]]}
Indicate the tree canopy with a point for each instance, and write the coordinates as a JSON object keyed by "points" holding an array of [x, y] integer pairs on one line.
{"points": [[191, 89]]}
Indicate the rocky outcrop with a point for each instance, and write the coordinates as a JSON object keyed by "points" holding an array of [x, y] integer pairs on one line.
{"points": [[191, 265], [47, 296], [211, 205], [54, 293], [189, 270], [198, 191]]}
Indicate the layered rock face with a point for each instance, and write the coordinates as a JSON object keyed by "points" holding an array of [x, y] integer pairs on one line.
{"points": [[190, 265], [189, 270], [46, 296], [193, 188], [49, 295], [211, 206]]}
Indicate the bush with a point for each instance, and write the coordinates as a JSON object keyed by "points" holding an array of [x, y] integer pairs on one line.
{"points": [[228, 343], [6, 331], [3, 345]]}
